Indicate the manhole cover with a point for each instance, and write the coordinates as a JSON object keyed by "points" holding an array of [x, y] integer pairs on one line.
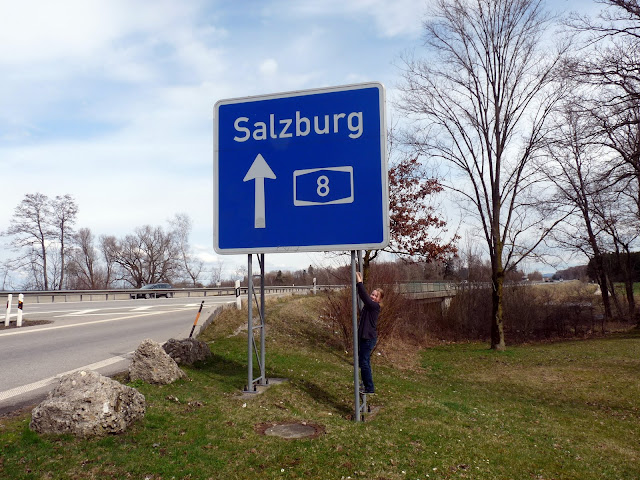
{"points": [[290, 430]]}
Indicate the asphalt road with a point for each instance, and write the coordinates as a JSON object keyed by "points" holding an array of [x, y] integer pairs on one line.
{"points": [[99, 336]]}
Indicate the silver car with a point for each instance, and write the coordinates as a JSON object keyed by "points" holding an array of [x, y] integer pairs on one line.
{"points": [[149, 291]]}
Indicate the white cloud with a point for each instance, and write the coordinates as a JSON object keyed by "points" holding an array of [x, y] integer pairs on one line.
{"points": [[37, 31], [397, 18], [269, 67]]}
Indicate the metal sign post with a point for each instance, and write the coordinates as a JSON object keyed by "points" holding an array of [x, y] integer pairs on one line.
{"points": [[250, 387], [354, 324], [263, 333], [361, 270]]}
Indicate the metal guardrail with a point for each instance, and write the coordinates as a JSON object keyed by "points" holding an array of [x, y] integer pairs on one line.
{"points": [[61, 296], [426, 287]]}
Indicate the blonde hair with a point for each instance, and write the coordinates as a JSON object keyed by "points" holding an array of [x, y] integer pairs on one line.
{"points": [[380, 292]]}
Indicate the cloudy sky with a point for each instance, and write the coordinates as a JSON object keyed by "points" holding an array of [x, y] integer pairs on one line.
{"points": [[112, 101]]}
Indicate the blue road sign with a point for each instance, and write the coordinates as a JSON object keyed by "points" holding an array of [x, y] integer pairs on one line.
{"points": [[301, 171]]}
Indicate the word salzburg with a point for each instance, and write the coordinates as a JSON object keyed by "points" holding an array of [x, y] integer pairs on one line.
{"points": [[300, 126]]}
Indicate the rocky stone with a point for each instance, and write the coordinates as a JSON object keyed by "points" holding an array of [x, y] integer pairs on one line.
{"points": [[87, 404], [187, 351], [152, 364]]}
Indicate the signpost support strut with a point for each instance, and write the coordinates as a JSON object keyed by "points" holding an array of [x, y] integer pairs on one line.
{"points": [[250, 386], [354, 318], [252, 347], [263, 377]]}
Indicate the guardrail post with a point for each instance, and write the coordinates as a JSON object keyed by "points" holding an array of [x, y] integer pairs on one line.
{"points": [[446, 303], [19, 317], [6, 316], [238, 299]]}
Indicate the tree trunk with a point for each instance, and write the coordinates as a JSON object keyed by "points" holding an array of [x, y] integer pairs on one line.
{"points": [[614, 296], [497, 268], [602, 281], [604, 292], [628, 283], [631, 301], [497, 325], [44, 264], [62, 267], [368, 256]]}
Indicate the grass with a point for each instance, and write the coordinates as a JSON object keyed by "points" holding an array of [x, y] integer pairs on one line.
{"points": [[621, 288], [548, 411]]}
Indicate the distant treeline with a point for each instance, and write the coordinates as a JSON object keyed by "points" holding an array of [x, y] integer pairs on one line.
{"points": [[619, 266], [616, 265]]}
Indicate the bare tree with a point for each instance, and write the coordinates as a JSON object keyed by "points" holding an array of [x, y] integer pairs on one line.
{"points": [[128, 256], [38, 225], [31, 230], [84, 271], [482, 98], [620, 20], [215, 277], [108, 249], [149, 255], [6, 267], [192, 267], [576, 173], [619, 220], [63, 216], [609, 66]]}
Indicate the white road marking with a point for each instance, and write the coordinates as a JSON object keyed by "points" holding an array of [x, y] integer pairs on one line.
{"points": [[79, 312], [89, 313], [94, 322], [14, 392], [122, 307]]}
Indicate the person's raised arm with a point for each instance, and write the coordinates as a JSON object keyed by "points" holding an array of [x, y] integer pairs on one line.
{"points": [[362, 292]]}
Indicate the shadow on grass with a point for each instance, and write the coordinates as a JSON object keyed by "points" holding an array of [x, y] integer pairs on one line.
{"points": [[231, 374], [324, 397]]}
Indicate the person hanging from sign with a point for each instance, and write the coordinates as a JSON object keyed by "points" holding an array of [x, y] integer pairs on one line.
{"points": [[367, 330]]}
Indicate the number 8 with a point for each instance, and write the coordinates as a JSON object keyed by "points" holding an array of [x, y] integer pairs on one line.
{"points": [[323, 186]]}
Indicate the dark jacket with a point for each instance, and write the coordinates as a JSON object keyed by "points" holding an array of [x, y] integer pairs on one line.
{"points": [[368, 315]]}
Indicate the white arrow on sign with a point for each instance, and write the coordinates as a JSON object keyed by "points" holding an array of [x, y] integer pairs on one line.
{"points": [[258, 171]]}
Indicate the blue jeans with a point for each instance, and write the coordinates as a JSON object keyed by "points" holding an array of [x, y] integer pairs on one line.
{"points": [[365, 347]]}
